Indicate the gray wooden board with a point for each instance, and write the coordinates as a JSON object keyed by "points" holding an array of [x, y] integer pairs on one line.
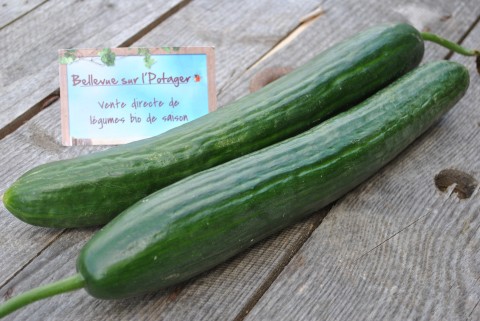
{"points": [[450, 19], [240, 31], [396, 248], [220, 294], [10, 10], [29, 45], [52, 23], [39, 141]]}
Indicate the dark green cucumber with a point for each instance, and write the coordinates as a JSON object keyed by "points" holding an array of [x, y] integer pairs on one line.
{"points": [[192, 225], [92, 189], [200, 221]]}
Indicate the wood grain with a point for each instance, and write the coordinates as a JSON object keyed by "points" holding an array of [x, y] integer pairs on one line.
{"points": [[51, 24], [232, 289], [217, 295], [396, 248], [356, 15], [29, 45], [12, 10], [38, 141]]}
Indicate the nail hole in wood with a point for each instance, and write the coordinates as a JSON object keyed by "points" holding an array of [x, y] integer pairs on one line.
{"points": [[445, 17], [266, 76], [8, 294], [465, 184]]}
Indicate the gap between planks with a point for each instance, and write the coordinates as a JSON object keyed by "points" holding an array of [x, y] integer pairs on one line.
{"points": [[50, 242], [303, 24], [464, 36], [55, 95], [130, 41], [317, 220], [30, 113], [23, 14]]}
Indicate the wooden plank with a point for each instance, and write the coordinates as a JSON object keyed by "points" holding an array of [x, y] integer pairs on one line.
{"points": [[190, 296], [39, 141], [396, 248], [12, 10], [240, 32], [103, 25], [218, 295], [224, 293], [29, 46], [450, 19]]}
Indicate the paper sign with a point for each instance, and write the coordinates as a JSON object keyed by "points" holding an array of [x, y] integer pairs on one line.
{"points": [[118, 95]]}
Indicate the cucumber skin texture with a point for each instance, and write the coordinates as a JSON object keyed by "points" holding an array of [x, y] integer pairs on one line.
{"points": [[92, 189], [205, 219]]}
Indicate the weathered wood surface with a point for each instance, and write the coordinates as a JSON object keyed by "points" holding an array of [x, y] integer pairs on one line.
{"points": [[395, 248], [41, 136], [29, 46], [11, 10], [39, 140]]}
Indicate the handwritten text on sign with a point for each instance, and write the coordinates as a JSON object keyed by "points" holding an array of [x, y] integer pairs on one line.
{"points": [[114, 96]]}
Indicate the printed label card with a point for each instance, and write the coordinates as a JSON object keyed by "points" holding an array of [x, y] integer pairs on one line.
{"points": [[117, 95]]}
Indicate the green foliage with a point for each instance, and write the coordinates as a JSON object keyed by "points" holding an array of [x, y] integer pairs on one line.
{"points": [[68, 57], [149, 61], [107, 56], [169, 50]]}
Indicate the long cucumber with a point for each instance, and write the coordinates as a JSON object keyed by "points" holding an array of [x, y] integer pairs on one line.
{"points": [[191, 226], [92, 189]]}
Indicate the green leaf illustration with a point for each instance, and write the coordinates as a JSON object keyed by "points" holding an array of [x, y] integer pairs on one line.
{"points": [[68, 57], [149, 61], [143, 51], [167, 49], [107, 56]]}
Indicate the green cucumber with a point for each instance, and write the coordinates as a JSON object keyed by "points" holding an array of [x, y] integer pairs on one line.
{"points": [[201, 221], [191, 226], [92, 189]]}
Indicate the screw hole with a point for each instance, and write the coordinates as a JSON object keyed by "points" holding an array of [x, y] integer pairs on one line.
{"points": [[465, 184]]}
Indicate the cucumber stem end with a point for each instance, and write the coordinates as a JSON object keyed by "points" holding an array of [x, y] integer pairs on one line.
{"points": [[427, 36], [72, 283]]}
